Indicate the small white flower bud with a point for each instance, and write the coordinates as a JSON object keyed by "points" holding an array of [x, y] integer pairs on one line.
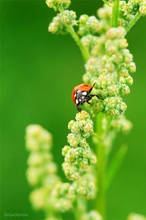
{"points": [[134, 216], [124, 90], [132, 67], [53, 27], [34, 175], [58, 5], [35, 159], [51, 168], [74, 139], [70, 124], [88, 128], [82, 115], [38, 198], [75, 128], [118, 32], [83, 19], [65, 150], [129, 80], [142, 8], [87, 25]]}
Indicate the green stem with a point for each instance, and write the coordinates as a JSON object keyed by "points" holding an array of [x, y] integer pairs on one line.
{"points": [[106, 2], [79, 208], [76, 38], [132, 23], [50, 214], [115, 13], [101, 176]]}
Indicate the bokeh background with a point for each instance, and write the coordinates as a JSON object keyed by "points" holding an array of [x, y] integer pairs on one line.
{"points": [[38, 72]]}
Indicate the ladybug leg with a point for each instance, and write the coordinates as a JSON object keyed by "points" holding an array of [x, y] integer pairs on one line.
{"points": [[92, 95], [89, 97], [78, 108], [99, 97], [88, 102]]}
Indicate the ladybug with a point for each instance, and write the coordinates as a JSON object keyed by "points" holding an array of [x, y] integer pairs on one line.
{"points": [[80, 94]]}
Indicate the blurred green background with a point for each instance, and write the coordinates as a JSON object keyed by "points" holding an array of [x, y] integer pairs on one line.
{"points": [[38, 72]]}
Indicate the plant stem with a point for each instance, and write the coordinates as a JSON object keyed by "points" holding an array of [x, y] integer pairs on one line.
{"points": [[84, 51], [50, 214], [106, 2], [79, 208], [115, 13], [132, 23], [101, 176]]}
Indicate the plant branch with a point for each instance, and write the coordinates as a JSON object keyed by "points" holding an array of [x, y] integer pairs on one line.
{"points": [[79, 208], [76, 38], [106, 2], [115, 13], [132, 23], [101, 175]]}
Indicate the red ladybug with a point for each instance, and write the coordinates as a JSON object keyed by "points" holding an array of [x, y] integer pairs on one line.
{"points": [[80, 94]]}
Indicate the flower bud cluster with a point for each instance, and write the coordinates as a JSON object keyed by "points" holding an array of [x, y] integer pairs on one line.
{"points": [[62, 197], [89, 41], [38, 142], [121, 124], [59, 198], [129, 9], [64, 194], [114, 106], [111, 74], [92, 70], [41, 172], [58, 5], [86, 185], [104, 14], [62, 22], [78, 155], [38, 198], [93, 44], [87, 25]]}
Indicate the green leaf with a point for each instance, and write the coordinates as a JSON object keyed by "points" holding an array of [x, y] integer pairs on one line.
{"points": [[115, 164]]}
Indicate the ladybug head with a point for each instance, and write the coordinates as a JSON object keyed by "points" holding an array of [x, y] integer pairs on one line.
{"points": [[80, 97], [80, 94]]}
